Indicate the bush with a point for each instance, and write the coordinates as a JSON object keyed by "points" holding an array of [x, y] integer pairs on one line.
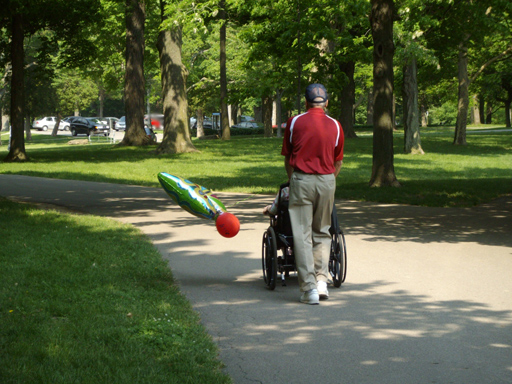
{"points": [[445, 114]]}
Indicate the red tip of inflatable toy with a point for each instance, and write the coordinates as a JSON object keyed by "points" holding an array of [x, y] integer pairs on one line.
{"points": [[227, 224]]}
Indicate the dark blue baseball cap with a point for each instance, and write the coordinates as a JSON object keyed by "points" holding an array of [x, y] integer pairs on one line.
{"points": [[316, 93]]}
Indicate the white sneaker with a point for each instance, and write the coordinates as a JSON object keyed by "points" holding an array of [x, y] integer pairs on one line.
{"points": [[322, 290], [310, 297]]}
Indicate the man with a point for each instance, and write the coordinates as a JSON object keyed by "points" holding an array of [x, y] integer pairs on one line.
{"points": [[313, 151]]}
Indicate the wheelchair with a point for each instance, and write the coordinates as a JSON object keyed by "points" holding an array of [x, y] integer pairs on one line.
{"points": [[278, 238]]}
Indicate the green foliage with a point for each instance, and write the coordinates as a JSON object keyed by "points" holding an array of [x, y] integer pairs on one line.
{"points": [[272, 46], [445, 114], [75, 91]]}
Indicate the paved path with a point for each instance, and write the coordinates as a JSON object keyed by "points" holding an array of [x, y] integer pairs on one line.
{"points": [[428, 296]]}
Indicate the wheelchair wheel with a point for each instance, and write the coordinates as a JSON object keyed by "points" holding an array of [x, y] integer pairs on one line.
{"points": [[269, 258], [338, 259]]}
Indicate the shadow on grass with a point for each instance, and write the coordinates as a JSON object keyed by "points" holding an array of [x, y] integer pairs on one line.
{"points": [[77, 293], [489, 224]]}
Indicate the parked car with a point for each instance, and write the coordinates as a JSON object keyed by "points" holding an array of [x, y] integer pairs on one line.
{"points": [[110, 120], [49, 123], [157, 120], [121, 124], [207, 123], [246, 125], [244, 118], [87, 126]]}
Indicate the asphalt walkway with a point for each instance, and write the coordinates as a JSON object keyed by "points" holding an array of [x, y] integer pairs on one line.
{"points": [[428, 295]]}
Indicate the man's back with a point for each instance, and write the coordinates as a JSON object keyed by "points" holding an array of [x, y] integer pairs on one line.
{"points": [[314, 141]]}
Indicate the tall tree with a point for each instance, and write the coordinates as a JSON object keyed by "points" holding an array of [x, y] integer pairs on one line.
{"points": [[458, 27], [226, 134], [17, 145], [134, 85], [24, 18], [381, 20], [174, 76], [412, 141]]}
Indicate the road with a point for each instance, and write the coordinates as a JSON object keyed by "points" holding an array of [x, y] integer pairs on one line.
{"points": [[428, 295]]}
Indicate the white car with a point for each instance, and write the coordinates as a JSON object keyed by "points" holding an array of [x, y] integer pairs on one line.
{"points": [[246, 124], [121, 124], [49, 123]]}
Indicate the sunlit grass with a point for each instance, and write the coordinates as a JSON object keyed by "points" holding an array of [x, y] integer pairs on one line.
{"points": [[89, 300], [446, 175]]}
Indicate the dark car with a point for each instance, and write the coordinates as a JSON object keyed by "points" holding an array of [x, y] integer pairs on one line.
{"points": [[87, 126], [207, 123]]}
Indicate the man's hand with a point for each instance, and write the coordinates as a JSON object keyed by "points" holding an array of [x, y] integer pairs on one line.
{"points": [[337, 166], [288, 167]]}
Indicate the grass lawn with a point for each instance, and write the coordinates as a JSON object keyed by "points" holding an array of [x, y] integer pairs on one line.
{"points": [[89, 300], [446, 175]]}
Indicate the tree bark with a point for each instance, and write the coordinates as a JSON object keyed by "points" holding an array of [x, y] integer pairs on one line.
{"points": [[56, 127], [17, 145], [506, 84], [481, 109], [226, 133], [134, 84], [463, 104], [424, 116], [369, 108], [348, 99], [488, 113], [412, 140], [267, 116], [381, 20], [199, 122], [279, 113], [174, 74], [507, 112]]}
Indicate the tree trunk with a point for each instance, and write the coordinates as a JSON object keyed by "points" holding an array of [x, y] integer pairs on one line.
{"points": [[481, 109], [424, 116], [381, 20], [174, 77], [101, 99], [506, 84], [231, 109], [199, 122], [279, 113], [56, 127], [226, 133], [463, 105], [412, 140], [266, 103], [507, 112], [475, 115], [347, 100], [134, 83], [17, 144], [28, 133], [369, 108], [488, 113]]}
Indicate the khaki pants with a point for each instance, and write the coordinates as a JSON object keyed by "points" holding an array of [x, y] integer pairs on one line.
{"points": [[310, 207]]}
